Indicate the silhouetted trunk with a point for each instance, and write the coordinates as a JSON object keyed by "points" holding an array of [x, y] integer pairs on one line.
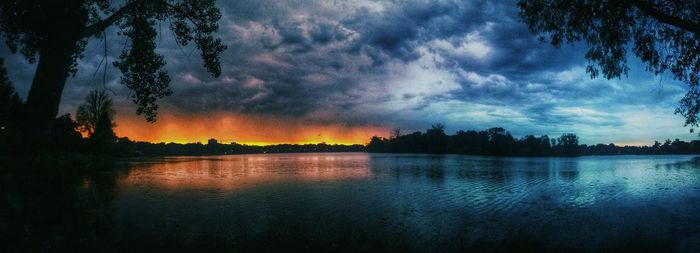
{"points": [[47, 87], [55, 59]]}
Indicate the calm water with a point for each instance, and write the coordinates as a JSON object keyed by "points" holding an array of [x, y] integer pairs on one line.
{"points": [[355, 202], [425, 203]]}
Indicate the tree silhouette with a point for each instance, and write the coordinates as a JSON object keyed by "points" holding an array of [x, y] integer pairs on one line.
{"points": [[65, 136], [665, 35], [10, 110], [567, 144], [499, 142], [96, 118], [396, 133], [437, 128], [9, 99], [56, 32], [435, 138], [103, 139], [97, 104], [568, 139]]}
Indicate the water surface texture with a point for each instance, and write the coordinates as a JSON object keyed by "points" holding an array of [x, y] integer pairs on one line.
{"points": [[409, 203]]}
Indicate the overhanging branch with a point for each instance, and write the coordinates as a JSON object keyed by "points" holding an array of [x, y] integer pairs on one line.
{"points": [[666, 18], [107, 22]]}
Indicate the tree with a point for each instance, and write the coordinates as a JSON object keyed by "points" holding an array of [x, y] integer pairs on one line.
{"points": [[103, 139], [55, 33], [396, 133], [96, 118], [65, 136], [496, 132], [500, 141], [9, 99], [436, 129], [435, 138], [664, 35], [97, 104], [377, 144], [568, 140], [567, 144], [10, 110]]}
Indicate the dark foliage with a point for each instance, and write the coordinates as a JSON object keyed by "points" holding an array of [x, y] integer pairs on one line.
{"points": [[66, 137], [665, 35], [126, 147], [97, 104], [10, 112], [54, 34], [499, 142], [103, 140]]}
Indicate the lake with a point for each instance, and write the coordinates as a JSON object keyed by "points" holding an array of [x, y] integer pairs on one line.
{"points": [[406, 202], [352, 202]]}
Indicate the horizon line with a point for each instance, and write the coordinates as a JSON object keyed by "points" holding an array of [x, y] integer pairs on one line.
{"points": [[262, 143]]}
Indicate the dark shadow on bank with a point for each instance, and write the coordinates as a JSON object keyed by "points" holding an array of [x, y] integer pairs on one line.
{"points": [[57, 203]]}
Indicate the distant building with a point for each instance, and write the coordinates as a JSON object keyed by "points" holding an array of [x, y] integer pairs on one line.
{"points": [[212, 141]]}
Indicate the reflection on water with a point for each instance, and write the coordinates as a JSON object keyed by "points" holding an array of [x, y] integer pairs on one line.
{"points": [[229, 173], [402, 203]]}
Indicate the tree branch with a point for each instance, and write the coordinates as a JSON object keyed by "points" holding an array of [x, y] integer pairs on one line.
{"points": [[666, 18], [107, 22], [182, 13]]}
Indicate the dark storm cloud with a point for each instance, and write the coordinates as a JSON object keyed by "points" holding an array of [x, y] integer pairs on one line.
{"points": [[324, 33], [399, 30], [470, 64]]}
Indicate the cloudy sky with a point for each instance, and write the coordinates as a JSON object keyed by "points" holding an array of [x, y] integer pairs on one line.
{"points": [[342, 71]]}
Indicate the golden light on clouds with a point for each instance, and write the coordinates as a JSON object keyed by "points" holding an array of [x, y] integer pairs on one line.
{"points": [[243, 129]]}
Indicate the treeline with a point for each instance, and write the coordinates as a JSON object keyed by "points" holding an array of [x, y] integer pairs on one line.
{"points": [[499, 142], [126, 147]]}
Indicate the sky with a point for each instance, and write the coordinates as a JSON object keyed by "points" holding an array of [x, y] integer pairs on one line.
{"points": [[309, 71]]}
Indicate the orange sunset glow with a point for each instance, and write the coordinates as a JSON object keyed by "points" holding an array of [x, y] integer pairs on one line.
{"points": [[251, 130], [239, 172]]}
